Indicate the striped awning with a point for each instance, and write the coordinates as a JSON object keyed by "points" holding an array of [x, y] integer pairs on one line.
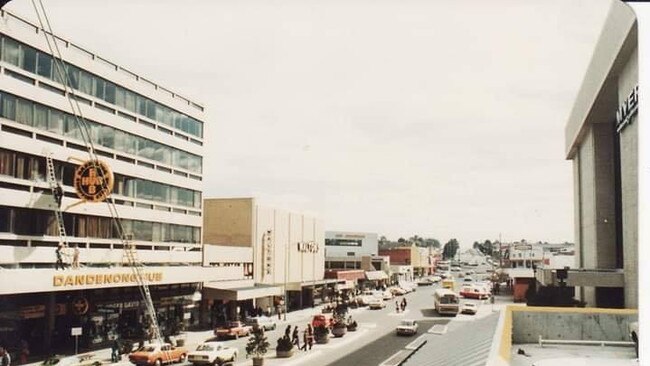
{"points": [[376, 275]]}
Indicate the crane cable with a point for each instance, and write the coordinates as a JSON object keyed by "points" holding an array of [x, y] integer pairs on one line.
{"points": [[86, 136]]}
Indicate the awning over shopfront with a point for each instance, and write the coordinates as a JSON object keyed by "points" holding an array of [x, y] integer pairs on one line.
{"points": [[347, 285], [297, 286], [376, 275], [213, 291]]}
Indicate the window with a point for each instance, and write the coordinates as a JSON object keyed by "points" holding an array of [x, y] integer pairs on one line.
{"points": [[29, 59], [44, 67], [11, 51], [24, 112]]}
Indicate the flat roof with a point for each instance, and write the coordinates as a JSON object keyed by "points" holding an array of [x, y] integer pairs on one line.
{"points": [[572, 355]]}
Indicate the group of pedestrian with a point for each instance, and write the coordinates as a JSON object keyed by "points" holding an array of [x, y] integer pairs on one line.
{"points": [[307, 337], [59, 257], [400, 307]]}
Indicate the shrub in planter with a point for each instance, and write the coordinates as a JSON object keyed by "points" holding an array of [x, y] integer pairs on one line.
{"points": [[284, 348], [321, 334], [257, 346], [352, 326]]}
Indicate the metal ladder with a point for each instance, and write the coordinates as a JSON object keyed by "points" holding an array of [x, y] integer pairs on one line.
{"points": [[51, 179], [131, 255]]}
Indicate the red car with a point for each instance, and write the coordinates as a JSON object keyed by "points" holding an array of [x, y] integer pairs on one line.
{"points": [[234, 329]]}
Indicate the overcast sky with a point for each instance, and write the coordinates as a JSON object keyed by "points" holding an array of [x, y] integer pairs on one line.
{"points": [[438, 118]]}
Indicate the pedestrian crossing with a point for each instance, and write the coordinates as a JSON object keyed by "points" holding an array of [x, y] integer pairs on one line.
{"points": [[463, 346]]}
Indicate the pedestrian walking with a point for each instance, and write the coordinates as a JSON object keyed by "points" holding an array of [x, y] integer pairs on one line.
{"points": [[310, 338], [305, 340], [396, 306], [59, 257], [115, 351], [287, 331], [279, 312], [403, 304], [296, 337]]}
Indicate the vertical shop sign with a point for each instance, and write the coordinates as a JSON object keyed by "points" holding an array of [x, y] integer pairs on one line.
{"points": [[267, 253]]}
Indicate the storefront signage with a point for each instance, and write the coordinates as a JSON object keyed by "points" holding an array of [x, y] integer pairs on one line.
{"points": [[267, 253], [38, 311], [93, 181], [75, 331], [308, 247], [100, 279], [523, 247], [627, 110]]}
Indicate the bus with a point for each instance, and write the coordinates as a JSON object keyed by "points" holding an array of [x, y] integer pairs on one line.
{"points": [[446, 302]]}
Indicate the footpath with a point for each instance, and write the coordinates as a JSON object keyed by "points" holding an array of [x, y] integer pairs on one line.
{"points": [[194, 338]]}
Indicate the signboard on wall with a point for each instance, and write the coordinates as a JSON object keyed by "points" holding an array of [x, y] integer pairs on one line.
{"points": [[267, 253], [308, 247], [627, 110], [93, 181]]}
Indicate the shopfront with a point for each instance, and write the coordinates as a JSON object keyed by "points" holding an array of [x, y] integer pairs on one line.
{"points": [[45, 320]]}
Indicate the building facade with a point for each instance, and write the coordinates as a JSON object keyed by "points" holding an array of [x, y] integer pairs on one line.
{"points": [[602, 143], [287, 251], [152, 140]]}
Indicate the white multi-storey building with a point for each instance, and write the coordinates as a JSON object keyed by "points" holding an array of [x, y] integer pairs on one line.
{"points": [[151, 138]]}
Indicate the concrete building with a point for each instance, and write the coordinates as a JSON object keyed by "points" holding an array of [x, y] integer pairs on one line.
{"points": [[352, 256], [285, 250], [602, 142], [152, 140]]}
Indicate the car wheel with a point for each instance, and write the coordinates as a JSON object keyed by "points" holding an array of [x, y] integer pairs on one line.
{"points": [[158, 362], [182, 358], [236, 335], [217, 362]]}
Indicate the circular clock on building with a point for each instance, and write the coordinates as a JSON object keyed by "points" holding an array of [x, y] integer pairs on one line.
{"points": [[93, 181]]}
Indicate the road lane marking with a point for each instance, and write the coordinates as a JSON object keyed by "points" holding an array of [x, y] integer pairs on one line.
{"points": [[397, 358], [419, 342], [438, 329]]}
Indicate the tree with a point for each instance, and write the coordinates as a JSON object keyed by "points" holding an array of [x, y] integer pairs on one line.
{"points": [[401, 240], [257, 345], [430, 242], [450, 249]]}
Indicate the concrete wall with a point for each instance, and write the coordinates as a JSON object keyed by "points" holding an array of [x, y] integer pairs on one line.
{"points": [[603, 324], [289, 263], [228, 221], [630, 185]]}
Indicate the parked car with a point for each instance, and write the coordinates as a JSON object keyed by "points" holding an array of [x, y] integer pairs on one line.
{"points": [[376, 303], [398, 291], [468, 279], [265, 322], [158, 354], [469, 308], [86, 359], [212, 353], [387, 295], [407, 327], [233, 329], [424, 282]]}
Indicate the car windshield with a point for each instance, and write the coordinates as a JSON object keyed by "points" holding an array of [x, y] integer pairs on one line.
{"points": [[205, 347], [407, 322]]}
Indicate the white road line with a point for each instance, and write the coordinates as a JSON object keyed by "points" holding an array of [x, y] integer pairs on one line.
{"points": [[438, 329], [416, 343]]}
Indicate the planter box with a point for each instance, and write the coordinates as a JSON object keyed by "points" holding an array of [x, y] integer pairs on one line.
{"points": [[258, 361], [284, 354], [339, 331], [322, 339], [352, 328]]}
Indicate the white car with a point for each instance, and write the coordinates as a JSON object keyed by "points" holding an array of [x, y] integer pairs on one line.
{"points": [[265, 322], [407, 327], [212, 353], [376, 303], [469, 308], [398, 291], [387, 295]]}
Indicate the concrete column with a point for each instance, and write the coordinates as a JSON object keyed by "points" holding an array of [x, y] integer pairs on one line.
{"points": [[50, 321]]}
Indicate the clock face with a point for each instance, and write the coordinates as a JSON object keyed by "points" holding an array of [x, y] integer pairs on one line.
{"points": [[93, 181]]}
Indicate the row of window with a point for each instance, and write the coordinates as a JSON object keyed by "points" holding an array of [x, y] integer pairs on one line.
{"points": [[343, 242], [24, 166], [23, 221], [37, 62], [45, 118]]}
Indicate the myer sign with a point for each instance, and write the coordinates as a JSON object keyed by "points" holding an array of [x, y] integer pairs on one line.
{"points": [[627, 110]]}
